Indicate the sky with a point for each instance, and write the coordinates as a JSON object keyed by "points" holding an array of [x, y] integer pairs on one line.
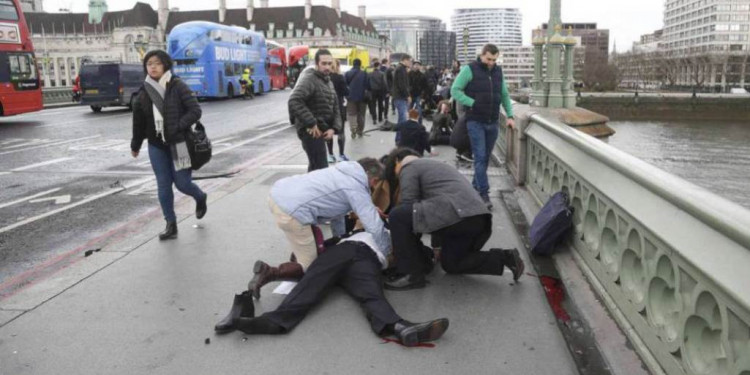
{"points": [[626, 20]]}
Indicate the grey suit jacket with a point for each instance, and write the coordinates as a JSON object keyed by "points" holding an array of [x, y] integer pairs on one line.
{"points": [[440, 194]]}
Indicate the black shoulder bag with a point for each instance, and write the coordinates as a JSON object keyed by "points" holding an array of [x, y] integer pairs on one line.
{"points": [[196, 140]]}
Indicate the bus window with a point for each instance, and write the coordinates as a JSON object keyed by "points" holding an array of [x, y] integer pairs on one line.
{"points": [[237, 68], [8, 11], [21, 67], [228, 69]]}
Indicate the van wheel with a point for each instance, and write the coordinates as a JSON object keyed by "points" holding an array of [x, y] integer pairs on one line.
{"points": [[230, 91], [96, 108]]}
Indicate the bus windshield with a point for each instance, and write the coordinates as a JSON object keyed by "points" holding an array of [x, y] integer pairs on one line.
{"points": [[8, 11], [99, 75], [17, 67]]}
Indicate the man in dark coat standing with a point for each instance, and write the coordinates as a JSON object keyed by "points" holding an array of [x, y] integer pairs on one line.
{"points": [[314, 106], [379, 88], [356, 102], [401, 88]]}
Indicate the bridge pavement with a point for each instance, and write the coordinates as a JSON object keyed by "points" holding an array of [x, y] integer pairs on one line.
{"points": [[144, 306]]}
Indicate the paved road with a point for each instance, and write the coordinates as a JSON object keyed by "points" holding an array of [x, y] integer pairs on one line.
{"points": [[67, 177]]}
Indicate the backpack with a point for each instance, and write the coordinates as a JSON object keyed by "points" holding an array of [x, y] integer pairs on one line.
{"points": [[551, 224]]}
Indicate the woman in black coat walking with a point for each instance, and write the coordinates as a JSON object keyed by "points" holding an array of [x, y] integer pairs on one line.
{"points": [[164, 111]]}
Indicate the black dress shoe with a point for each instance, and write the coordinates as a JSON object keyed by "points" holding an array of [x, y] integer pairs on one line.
{"points": [[405, 282], [514, 263], [411, 334], [170, 232], [242, 307], [201, 207]]}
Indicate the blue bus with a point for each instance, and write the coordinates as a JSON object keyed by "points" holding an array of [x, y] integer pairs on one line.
{"points": [[210, 58]]}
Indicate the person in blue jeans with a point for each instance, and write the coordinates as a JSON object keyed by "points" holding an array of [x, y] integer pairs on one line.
{"points": [[481, 89], [401, 88], [164, 111]]}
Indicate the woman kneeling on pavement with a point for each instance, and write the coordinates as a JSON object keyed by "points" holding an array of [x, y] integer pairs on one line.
{"points": [[163, 112], [437, 199]]}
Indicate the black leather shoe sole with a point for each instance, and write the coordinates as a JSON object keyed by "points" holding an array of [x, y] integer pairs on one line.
{"points": [[424, 332], [201, 208], [170, 236], [404, 284], [518, 265]]}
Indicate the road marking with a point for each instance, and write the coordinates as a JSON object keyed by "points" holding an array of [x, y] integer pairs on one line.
{"points": [[283, 122], [222, 140], [74, 205], [48, 162], [29, 197], [81, 121], [120, 189], [285, 166], [51, 144], [4, 173], [30, 142], [60, 199], [253, 139]]}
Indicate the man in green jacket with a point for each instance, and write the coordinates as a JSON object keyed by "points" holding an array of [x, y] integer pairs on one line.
{"points": [[480, 88]]}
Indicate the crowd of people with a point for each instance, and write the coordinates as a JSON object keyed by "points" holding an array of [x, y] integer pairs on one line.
{"points": [[379, 207]]}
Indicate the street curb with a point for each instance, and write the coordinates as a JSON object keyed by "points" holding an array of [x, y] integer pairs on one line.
{"points": [[597, 343]]}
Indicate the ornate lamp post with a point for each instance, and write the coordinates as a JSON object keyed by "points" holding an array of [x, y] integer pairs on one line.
{"points": [[554, 80], [538, 97], [569, 98]]}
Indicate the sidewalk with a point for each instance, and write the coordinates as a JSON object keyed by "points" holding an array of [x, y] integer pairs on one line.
{"points": [[152, 307]]}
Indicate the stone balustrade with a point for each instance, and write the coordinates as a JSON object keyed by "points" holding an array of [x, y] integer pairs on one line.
{"points": [[57, 95], [670, 260]]}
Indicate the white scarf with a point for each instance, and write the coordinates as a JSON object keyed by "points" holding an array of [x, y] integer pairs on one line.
{"points": [[161, 88], [180, 154]]}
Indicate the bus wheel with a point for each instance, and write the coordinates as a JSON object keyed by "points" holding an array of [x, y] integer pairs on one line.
{"points": [[96, 108], [230, 91]]}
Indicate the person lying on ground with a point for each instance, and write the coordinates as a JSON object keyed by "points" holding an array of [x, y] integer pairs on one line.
{"points": [[355, 263]]}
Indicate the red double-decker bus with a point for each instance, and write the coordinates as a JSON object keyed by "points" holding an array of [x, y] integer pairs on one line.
{"points": [[298, 59], [20, 89], [276, 67]]}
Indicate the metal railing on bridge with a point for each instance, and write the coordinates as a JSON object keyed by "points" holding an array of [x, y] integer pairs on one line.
{"points": [[670, 260], [57, 95]]}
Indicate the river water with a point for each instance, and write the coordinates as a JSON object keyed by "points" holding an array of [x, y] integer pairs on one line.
{"points": [[715, 155]]}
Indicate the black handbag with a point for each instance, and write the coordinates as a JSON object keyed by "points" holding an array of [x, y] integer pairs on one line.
{"points": [[198, 145]]}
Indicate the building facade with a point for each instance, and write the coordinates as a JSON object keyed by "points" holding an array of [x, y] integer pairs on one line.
{"points": [[32, 6], [704, 46], [424, 38], [65, 41], [590, 37], [518, 66], [476, 27]]}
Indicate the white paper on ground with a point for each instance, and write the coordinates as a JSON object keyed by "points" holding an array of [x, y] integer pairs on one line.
{"points": [[285, 287]]}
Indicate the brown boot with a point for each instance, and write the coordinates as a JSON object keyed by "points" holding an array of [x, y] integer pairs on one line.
{"points": [[265, 274]]}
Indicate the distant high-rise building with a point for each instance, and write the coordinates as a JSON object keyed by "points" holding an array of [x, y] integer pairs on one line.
{"points": [[500, 26], [701, 26], [596, 41], [424, 38]]}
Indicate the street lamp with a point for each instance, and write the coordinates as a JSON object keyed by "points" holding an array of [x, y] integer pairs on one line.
{"points": [[466, 44]]}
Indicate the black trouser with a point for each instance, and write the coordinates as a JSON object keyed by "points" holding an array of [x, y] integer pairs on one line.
{"points": [[461, 245], [315, 148], [377, 107], [351, 265]]}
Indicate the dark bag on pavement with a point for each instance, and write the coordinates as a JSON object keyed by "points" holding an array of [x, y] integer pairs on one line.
{"points": [[551, 224], [198, 145]]}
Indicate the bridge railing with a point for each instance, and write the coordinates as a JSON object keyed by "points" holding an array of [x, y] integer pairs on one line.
{"points": [[57, 95], [670, 260]]}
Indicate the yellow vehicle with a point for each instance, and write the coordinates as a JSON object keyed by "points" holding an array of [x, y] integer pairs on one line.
{"points": [[346, 56]]}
